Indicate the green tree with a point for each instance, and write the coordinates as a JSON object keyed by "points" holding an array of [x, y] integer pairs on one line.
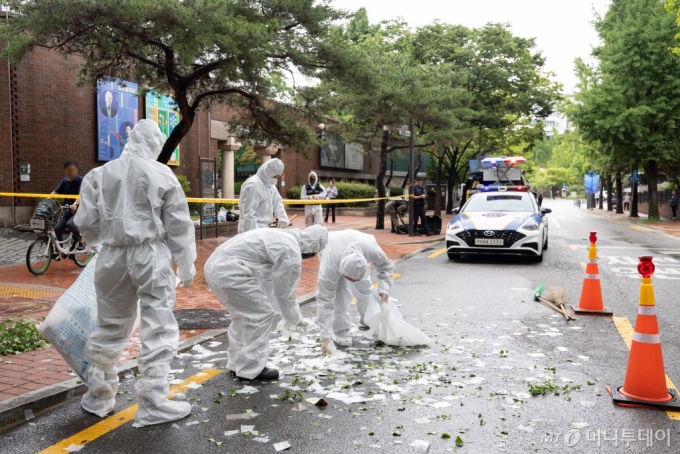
{"points": [[201, 52], [360, 26], [504, 78], [633, 103]]}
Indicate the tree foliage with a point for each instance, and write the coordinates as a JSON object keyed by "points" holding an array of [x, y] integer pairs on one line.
{"points": [[200, 51], [631, 102]]}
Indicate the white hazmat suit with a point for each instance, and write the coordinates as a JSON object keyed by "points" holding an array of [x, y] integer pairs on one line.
{"points": [[260, 199], [232, 272], [135, 208], [313, 191], [349, 253]]}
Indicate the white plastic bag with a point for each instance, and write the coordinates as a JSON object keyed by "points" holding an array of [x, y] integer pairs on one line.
{"points": [[222, 215], [72, 319], [388, 326]]}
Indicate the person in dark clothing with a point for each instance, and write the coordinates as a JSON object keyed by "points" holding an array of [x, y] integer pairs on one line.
{"points": [[674, 204], [419, 197], [69, 185], [540, 199]]}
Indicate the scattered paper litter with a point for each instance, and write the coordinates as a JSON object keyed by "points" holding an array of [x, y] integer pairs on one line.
{"points": [[214, 344], [229, 433], [422, 421], [299, 407], [281, 446], [536, 355], [440, 405], [245, 429], [234, 417], [584, 358], [563, 349], [262, 439], [192, 423], [28, 414], [420, 445], [580, 425], [176, 381], [74, 448], [396, 396], [247, 390], [525, 428], [174, 426], [193, 385], [522, 395], [586, 403]]}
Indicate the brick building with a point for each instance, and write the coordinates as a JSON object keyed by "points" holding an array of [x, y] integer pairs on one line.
{"points": [[45, 119]]}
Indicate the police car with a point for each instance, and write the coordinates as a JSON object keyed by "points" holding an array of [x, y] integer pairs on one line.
{"points": [[499, 219]]}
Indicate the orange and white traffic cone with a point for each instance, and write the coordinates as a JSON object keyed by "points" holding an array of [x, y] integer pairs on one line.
{"points": [[645, 382], [591, 295]]}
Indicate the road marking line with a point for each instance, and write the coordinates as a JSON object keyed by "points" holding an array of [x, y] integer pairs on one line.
{"points": [[554, 221], [626, 332], [437, 254], [573, 247], [394, 276], [635, 227], [113, 422]]}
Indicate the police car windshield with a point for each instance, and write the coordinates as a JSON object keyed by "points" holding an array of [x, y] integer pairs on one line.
{"points": [[499, 202]]}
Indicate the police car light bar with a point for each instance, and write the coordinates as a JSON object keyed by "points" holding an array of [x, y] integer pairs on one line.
{"points": [[504, 160], [505, 188]]}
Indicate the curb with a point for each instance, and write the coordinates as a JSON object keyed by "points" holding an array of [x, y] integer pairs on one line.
{"points": [[45, 399]]}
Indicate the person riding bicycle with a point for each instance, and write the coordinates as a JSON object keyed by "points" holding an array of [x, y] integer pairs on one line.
{"points": [[69, 185]]}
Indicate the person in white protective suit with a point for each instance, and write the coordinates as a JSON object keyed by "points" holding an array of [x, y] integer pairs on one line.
{"points": [[313, 190], [232, 272], [135, 208], [260, 199], [345, 273]]}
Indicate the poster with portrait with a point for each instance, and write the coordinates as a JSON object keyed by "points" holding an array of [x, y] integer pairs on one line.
{"points": [[332, 150], [117, 114], [163, 110]]}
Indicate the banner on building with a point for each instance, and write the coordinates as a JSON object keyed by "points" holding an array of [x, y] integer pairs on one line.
{"points": [[117, 114], [337, 154], [163, 110]]}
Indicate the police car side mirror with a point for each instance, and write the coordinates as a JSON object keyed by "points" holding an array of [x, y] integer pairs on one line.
{"points": [[546, 210], [456, 210]]}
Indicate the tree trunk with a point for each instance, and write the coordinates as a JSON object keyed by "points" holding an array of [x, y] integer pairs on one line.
{"points": [[601, 204], [619, 194], [419, 163], [389, 179], [380, 184], [451, 182], [652, 171], [438, 187], [610, 188], [181, 130]]}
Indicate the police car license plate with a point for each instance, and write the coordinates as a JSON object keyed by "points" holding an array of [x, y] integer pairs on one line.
{"points": [[37, 223], [488, 242]]}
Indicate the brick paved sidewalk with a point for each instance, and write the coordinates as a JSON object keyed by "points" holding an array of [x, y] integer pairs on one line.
{"points": [[29, 371], [670, 227]]}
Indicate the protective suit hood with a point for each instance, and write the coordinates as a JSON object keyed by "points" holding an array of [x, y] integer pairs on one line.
{"points": [[354, 265], [312, 239], [269, 169], [146, 140], [309, 178]]}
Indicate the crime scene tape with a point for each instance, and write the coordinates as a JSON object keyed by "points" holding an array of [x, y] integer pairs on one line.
{"points": [[205, 200]]}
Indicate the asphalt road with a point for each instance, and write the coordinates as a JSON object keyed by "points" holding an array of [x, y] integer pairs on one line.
{"points": [[490, 342]]}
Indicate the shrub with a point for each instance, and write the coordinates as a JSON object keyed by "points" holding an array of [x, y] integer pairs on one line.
{"points": [[396, 192], [345, 191], [237, 187]]}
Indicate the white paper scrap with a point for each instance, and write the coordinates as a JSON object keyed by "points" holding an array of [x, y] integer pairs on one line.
{"points": [[74, 448], [420, 445], [281, 446], [422, 420]]}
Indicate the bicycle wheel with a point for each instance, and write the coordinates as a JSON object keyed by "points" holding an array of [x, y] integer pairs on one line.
{"points": [[39, 256], [82, 258]]}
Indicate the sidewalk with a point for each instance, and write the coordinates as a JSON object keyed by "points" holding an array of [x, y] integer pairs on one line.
{"points": [[666, 226], [34, 296]]}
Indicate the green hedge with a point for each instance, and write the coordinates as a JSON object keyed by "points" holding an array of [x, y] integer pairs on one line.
{"points": [[345, 191], [396, 192]]}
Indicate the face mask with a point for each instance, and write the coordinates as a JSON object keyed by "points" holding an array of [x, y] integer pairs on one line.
{"points": [[273, 181], [312, 181]]}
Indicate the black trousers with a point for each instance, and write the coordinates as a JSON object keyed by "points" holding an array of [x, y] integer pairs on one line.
{"points": [[420, 215], [675, 212], [330, 207], [66, 222]]}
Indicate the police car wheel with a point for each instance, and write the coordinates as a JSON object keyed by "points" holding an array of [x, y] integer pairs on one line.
{"points": [[545, 246]]}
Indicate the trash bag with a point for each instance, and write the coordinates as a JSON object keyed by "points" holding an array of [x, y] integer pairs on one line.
{"points": [[222, 215], [232, 217], [47, 210], [389, 327]]}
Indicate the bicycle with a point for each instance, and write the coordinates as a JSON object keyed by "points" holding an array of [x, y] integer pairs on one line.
{"points": [[47, 247]]}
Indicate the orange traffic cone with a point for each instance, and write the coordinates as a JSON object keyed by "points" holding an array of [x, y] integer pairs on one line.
{"points": [[591, 295], [645, 382]]}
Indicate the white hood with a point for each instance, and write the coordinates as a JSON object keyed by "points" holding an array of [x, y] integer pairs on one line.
{"points": [[145, 141]]}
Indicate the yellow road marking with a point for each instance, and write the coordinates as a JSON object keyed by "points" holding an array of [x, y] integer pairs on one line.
{"points": [[635, 227], [554, 221], [573, 247], [7, 291], [626, 331], [394, 276], [437, 254], [113, 422]]}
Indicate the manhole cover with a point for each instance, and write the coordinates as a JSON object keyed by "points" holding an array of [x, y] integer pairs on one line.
{"points": [[22, 307], [202, 319]]}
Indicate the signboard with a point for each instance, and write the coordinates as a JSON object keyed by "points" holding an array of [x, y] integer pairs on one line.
{"points": [[117, 114], [591, 183], [340, 155], [634, 177], [163, 110]]}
